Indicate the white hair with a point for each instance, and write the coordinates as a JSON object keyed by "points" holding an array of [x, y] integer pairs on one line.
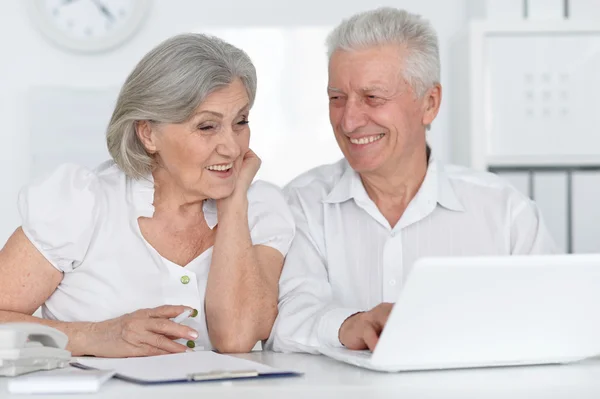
{"points": [[388, 25], [167, 86]]}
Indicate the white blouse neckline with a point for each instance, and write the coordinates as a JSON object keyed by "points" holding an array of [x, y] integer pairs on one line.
{"points": [[143, 201]]}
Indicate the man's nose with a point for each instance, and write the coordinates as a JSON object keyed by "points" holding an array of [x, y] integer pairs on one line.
{"points": [[354, 116]]}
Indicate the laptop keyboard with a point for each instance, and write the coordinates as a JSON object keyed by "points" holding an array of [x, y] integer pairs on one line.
{"points": [[366, 354]]}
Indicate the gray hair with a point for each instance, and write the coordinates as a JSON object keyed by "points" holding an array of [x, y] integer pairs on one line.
{"points": [[167, 86], [388, 25]]}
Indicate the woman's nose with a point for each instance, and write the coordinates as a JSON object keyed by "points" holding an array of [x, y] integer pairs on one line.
{"points": [[229, 147]]}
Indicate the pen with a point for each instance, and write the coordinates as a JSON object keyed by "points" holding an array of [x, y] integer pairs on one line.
{"points": [[184, 315]]}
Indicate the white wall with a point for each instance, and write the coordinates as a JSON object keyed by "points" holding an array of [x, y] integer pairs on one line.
{"points": [[28, 60]]}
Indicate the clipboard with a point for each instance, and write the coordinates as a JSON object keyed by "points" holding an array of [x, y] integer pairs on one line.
{"points": [[199, 366]]}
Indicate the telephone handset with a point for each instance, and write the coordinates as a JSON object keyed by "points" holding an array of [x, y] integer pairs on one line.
{"points": [[27, 347]]}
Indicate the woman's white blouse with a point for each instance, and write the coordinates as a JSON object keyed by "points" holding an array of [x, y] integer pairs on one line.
{"points": [[85, 223]]}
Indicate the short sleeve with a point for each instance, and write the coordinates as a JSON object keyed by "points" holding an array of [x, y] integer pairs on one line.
{"points": [[59, 214], [269, 217]]}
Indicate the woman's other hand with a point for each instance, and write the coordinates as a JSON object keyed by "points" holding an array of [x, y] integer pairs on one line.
{"points": [[145, 332]]}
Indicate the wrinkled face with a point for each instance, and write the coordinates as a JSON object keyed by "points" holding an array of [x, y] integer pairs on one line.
{"points": [[203, 155], [375, 115]]}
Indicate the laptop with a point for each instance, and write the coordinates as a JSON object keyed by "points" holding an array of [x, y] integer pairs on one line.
{"points": [[465, 312]]}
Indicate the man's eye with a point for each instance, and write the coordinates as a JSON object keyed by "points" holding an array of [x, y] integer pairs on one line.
{"points": [[205, 128], [375, 100]]}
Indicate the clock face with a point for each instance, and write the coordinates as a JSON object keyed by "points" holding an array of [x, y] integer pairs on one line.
{"points": [[89, 25]]}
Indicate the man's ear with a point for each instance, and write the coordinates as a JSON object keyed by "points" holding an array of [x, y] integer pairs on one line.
{"points": [[431, 102], [143, 129]]}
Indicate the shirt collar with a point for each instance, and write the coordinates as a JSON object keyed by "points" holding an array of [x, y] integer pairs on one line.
{"points": [[436, 186], [446, 195], [210, 212], [346, 188]]}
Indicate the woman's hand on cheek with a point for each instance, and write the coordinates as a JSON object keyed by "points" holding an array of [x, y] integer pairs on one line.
{"points": [[250, 165], [239, 197]]}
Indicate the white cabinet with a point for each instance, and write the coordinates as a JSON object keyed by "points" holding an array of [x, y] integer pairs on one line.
{"points": [[550, 192], [586, 212], [529, 94], [533, 119]]}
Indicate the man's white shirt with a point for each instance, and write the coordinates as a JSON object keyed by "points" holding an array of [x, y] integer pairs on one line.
{"points": [[346, 257]]}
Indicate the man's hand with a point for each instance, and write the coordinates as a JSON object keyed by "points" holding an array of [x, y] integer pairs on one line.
{"points": [[361, 330]]}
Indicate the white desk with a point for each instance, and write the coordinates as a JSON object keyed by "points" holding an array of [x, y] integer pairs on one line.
{"points": [[326, 378]]}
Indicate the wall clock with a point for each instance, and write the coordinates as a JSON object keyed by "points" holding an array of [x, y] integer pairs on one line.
{"points": [[88, 25]]}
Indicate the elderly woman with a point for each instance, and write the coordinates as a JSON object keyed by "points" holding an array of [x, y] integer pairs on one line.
{"points": [[173, 222]]}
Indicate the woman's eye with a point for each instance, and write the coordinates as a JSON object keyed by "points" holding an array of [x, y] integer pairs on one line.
{"points": [[205, 128]]}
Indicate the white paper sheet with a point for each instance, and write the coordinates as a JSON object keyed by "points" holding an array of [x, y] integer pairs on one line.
{"points": [[176, 366]]}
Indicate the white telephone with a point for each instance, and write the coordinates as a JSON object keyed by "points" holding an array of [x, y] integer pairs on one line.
{"points": [[27, 347]]}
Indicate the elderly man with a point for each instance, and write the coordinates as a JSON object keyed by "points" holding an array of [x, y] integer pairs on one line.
{"points": [[363, 221]]}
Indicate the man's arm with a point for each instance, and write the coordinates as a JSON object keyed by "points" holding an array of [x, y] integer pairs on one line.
{"points": [[309, 316], [528, 232]]}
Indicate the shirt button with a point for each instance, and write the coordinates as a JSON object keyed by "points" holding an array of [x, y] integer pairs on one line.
{"points": [[191, 344], [392, 282], [185, 279]]}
